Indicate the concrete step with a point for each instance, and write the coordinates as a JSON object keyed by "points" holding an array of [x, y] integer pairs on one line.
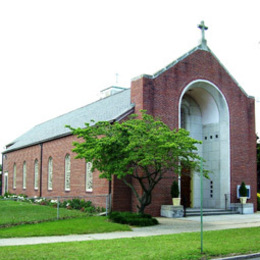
{"points": [[191, 212]]}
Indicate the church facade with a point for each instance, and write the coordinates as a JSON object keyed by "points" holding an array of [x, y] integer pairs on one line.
{"points": [[194, 92]]}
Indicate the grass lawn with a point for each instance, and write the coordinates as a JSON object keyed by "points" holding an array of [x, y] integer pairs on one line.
{"points": [[83, 225], [177, 246], [13, 212], [19, 219]]}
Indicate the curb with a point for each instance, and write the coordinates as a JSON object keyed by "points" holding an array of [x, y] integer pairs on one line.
{"points": [[250, 256]]}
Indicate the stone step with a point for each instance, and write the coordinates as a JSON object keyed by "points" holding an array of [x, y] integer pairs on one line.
{"points": [[190, 212], [170, 211]]}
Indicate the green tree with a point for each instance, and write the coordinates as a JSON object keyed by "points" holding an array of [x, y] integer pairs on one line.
{"points": [[144, 149]]}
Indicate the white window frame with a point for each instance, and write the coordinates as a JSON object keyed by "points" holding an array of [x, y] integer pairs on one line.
{"points": [[36, 174], [67, 172], [24, 175], [89, 177], [50, 173], [14, 176]]}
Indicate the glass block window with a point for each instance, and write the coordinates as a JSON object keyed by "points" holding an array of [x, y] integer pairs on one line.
{"points": [[36, 174], [50, 173], [24, 175], [14, 176], [89, 177], [67, 172]]}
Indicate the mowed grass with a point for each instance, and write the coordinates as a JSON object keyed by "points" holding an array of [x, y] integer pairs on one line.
{"points": [[177, 246], [83, 225], [21, 219], [14, 212]]}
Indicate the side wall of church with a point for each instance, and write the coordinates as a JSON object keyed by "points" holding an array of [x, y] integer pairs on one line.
{"points": [[57, 150], [166, 92]]}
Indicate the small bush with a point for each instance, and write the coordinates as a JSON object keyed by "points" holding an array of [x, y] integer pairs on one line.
{"points": [[175, 190], [133, 219], [243, 190], [76, 204]]}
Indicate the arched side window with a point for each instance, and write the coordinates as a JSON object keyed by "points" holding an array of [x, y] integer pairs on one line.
{"points": [[14, 176], [67, 172], [24, 175], [89, 177], [6, 182], [36, 174], [50, 173]]}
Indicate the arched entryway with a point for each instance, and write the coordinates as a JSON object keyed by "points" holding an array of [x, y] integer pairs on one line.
{"points": [[203, 111]]}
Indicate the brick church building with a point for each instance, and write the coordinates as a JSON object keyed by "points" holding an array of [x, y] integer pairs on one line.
{"points": [[195, 92]]}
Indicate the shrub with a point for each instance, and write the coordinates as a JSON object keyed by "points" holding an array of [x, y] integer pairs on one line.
{"points": [[243, 190], [175, 189], [76, 204], [134, 219]]}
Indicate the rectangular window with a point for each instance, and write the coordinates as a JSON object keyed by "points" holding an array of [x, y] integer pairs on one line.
{"points": [[36, 174], [67, 172], [6, 182], [50, 173], [24, 175], [89, 177], [14, 177]]}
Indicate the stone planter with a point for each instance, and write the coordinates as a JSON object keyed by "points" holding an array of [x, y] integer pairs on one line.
{"points": [[176, 201], [243, 200]]}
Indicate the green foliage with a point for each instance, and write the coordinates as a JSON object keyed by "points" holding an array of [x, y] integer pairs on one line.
{"points": [[85, 206], [243, 190], [175, 189], [133, 219], [142, 148]]}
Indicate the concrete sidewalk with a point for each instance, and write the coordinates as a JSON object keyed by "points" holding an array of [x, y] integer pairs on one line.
{"points": [[166, 226]]}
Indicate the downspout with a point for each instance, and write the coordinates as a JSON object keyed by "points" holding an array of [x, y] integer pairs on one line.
{"points": [[110, 182], [41, 165], [2, 176]]}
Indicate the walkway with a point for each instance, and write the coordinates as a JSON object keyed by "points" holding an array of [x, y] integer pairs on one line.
{"points": [[166, 226]]}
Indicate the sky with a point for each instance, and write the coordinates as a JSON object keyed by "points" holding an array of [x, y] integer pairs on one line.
{"points": [[56, 55]]}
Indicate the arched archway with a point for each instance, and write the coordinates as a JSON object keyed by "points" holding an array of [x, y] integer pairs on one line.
{"points": [[203, 111]]}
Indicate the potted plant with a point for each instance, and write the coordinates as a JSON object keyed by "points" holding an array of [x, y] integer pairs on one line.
{"points": [[175, 194], [243, 193]]}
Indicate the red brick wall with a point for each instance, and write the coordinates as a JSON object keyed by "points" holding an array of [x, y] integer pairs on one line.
{"points": [[121, 195], [165, 92], [27, 155], [57, 149]]}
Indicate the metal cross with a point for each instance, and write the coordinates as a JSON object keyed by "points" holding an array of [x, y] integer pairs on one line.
{"points": [[203, 28]]}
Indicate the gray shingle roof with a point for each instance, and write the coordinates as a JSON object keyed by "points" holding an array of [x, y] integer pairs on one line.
{"points": [[108, 109]]}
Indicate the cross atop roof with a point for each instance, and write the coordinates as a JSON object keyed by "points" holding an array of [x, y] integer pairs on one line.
{"points": [[203, 28]]}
